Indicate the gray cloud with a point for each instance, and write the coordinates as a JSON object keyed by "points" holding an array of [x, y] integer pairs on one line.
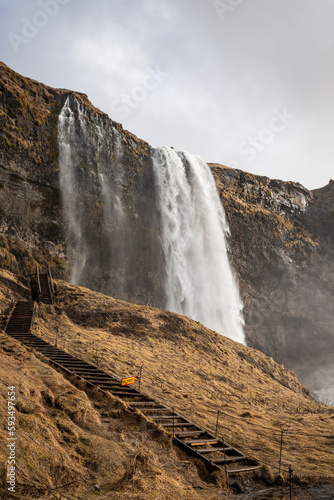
{"points": [[226, 77]]}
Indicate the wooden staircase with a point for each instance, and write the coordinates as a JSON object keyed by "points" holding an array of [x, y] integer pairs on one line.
{"points": [[216, 453], [42, 286], [21, 318], [47, 295], [193, 439]]}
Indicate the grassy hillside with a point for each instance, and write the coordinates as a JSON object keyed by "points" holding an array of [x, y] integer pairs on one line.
{"points": [[66, 446]]}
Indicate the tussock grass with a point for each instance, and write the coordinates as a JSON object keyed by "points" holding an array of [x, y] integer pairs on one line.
{"points": [[79, 442], [65, 446], [199, 372], [85, 443]]}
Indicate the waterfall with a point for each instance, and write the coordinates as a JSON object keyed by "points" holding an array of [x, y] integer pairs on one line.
{"points": [[69, 188], [109, 206], [198, 278], [91, 177], [144, 225]]}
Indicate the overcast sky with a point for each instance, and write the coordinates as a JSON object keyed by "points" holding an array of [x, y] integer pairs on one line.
{"points": [[245, 83]]}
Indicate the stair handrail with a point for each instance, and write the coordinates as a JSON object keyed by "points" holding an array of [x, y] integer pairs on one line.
{"points": [[38, 281], [51, 280], [34, 312], [10, 312]]}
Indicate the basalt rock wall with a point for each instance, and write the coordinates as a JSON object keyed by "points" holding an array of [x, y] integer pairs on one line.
{"points": [[32, 219], [282, 247]]}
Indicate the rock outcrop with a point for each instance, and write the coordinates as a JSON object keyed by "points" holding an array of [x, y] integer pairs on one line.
{"points": [[282, 248]]}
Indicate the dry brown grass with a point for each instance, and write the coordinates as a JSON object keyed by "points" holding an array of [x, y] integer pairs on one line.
{"points": [[184, 365], [199, 372], [64, 448]]}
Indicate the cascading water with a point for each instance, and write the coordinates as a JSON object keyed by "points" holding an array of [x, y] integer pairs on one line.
{"points": [[198, 278], [69, 185], [90, 182], [146, 231], [109, 206]]}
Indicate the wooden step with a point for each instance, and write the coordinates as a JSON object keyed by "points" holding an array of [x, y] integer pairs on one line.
{"points": [[144, 402], [145, 410], [35, 342], [109, 381], [52, 352], [227, 459], [131, 398], [178, 424], [77, 366], [165, 417], [199, 442], [77, 363], [116, 393], [65, 359], [117, 387], [247, 468], [22, 328], [104, 381], [189, 433], [212, 450], [86, 372], [61, 359]]}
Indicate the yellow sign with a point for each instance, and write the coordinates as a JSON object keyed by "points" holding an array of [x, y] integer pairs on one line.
{"points": [[128, 381]]}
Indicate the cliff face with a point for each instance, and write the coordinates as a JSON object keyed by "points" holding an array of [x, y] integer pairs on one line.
{"points": [[32, 210], [282, 247], [281, 241]]}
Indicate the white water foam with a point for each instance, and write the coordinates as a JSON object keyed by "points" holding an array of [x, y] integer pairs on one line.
{"points": [[90, 167], [69, 190], [199, 281], [197, 278], [325, 396]]}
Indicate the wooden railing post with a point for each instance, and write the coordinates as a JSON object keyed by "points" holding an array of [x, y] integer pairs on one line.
{"points": [[51, 280], [38, 282], [280, 453]]}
